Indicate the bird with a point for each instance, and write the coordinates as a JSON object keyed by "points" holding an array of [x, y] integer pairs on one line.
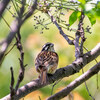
{"points": [[46, 62]]}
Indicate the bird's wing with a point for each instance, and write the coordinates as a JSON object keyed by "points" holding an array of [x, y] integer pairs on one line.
{"points": [[46, 58]]}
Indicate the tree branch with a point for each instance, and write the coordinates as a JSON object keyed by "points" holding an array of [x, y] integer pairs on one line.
{"points": [[76, 83], [15, 27], [31, 10], [60, 29], [3, 5], [21, 61], [78, 64], [79, 33], [22, 69], [12, 90]]}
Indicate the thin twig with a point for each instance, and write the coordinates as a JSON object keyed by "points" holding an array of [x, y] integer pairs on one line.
{"points": [[40, 98], [60, 29], [31, 10], [6, 22], [15, 7], [88, 88], [97, 77], [22, 69], [79, 33], [9, 50], [10, 12], [55, 85], [21, 60], [82, 34], [12, 90]]}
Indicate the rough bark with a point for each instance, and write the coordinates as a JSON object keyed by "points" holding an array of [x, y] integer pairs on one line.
{"points": [[60, 73]]}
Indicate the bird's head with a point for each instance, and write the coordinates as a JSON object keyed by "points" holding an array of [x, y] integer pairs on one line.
{"points": [[48, 47]]}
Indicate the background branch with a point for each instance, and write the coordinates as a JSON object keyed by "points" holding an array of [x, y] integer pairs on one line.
{"points": [[59, 74], [60, 29], [21, 61], [3, 5], [15, 27], [76, 83], [12, 90], [22, 69]]}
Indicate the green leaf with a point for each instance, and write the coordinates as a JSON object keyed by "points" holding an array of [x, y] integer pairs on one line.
{"points": [[97, 9], [82, 4], [18, 1], [78, 14], [98, 5], [73, 17], [82, 1], [91, 18]]}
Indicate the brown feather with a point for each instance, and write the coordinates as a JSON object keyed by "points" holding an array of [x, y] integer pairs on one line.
{"points": [[43, 77], [46, 62]]}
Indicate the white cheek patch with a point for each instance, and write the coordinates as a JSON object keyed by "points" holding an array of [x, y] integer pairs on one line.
{"points": [[46, 48]]}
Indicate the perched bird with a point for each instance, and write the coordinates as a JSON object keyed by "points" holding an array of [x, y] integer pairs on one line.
{"points": [[46, 62]]}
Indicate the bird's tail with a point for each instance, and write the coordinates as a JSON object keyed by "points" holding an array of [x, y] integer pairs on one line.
{"points": [[43, 78]]}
